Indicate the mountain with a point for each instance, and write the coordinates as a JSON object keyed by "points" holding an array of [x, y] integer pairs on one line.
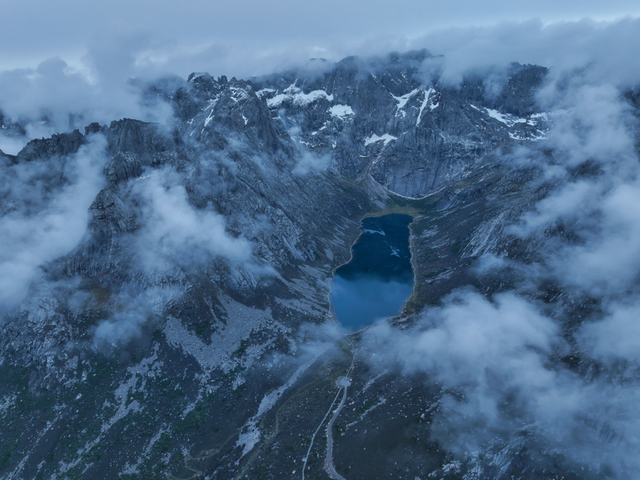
{"points": [[169, 314]]}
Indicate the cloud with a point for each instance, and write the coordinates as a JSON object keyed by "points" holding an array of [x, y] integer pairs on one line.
{"points": [[616, 337], [499, 360], [599, 209], [56, 97], [609, 260], [120, 328], [497, 365], [44, 213], [563, 46], [135, 310], [72, 90], [310, 162], [259, 26], [175, 233], [455, 338], [486, 350], [593, 50], [12, 144]]}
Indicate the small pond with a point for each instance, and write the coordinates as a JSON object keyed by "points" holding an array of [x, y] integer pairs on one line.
{"points": [[379, 278]]}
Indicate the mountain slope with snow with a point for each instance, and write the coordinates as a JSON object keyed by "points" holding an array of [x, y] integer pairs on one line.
{"points": [[166, 312]]}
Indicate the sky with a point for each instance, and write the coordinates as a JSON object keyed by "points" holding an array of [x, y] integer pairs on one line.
{"points": [[161, 32]]}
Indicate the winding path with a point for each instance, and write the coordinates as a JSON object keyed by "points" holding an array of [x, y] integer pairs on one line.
{"points": [[343, 383], [313, 437]]}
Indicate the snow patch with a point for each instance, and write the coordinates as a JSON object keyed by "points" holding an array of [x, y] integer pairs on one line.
{"points": [[250, 433], [402, 101], [425, 102], [6, 402], [506, 118], [264, 92], [533, 138], [375, 138], [294, 95], [544, 116], [341, 111], [277, 100], [211, 107], [238, 94], [148, 368], [381, 401], [219, 353]]}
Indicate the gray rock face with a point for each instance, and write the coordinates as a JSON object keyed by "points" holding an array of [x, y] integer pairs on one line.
{"points": [[122, 167], [411, 133], [58, 145], [225, 107], [134, 136]]}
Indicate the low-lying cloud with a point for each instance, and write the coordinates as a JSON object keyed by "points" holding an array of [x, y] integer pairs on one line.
{"points": [[44, 213], [174, 233], [134, 310], [496, 362], [592, 51], [310, 162], [485, 350], [55, 97], [500, 359]]}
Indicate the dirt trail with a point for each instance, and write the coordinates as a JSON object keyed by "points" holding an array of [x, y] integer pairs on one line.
{"points": [[343, 383]]}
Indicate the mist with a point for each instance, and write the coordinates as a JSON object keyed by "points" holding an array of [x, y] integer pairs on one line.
{"points": [[45, 207], [499, 358], [175, 233]]}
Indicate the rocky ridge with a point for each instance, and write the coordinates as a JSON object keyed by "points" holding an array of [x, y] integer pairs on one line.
{"points": [[147, 353]]}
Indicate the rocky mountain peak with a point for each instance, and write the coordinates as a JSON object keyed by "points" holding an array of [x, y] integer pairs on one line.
{"points": [[58, 145], [187, 330]]}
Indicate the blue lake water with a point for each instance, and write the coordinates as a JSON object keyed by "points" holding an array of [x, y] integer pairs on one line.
{"points": [[379, 278]]}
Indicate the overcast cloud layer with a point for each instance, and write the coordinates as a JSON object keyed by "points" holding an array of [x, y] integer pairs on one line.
{"points": [[33, 30], [44, 212], [82, 74]]}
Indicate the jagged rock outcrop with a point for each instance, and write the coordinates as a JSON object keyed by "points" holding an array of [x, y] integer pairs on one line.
{"points": [[58, 145], [141, 138], [391, 120]]}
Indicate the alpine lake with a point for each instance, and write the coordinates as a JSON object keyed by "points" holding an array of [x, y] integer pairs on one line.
{"points": [[378, 279]]}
